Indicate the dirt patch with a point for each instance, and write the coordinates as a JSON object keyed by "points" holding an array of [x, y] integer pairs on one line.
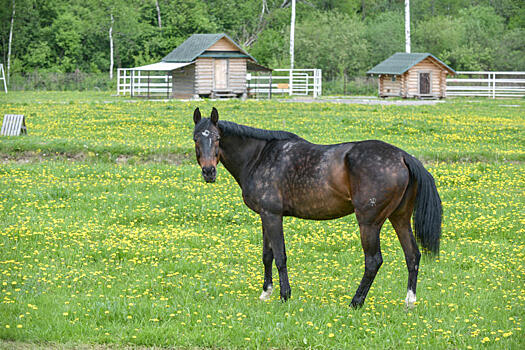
{"points": [[37, 157], [170, 158], [15, 345]]}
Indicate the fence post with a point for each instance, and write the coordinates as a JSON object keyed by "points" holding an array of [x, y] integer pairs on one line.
{"points": [[118, 81], [290, 83], [168, 85], [270, 85], [493, 85], [2, 77], [132, 78]]}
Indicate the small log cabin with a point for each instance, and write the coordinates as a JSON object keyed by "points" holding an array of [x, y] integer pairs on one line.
{"points": [[408, 75], [215, 66]]}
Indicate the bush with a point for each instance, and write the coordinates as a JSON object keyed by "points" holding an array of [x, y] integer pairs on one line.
{"points": [[354, 86], [47, 81]]}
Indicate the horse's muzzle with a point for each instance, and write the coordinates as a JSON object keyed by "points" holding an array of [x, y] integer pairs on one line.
{"points": [[209, 173]]}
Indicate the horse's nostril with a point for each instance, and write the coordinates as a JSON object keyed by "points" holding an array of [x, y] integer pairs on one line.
{"points": [[209, 171]]}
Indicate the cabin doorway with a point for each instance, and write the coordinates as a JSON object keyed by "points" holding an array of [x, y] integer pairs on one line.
{"points": [[221, 74], [424, 83]]}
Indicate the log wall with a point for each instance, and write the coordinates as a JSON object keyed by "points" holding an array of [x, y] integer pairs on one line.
{"points": [[223, 45], [389, 87], [237, 75], [204, 76]]}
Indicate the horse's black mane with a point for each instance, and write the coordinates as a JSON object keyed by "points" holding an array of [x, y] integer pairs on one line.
{"points": [[230, 128]]}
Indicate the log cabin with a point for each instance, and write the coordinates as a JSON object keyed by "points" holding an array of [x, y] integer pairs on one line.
{"points": [[409, 75], [215, 66]]}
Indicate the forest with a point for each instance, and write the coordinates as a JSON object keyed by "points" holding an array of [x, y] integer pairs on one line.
{"points": [[344, 38]]}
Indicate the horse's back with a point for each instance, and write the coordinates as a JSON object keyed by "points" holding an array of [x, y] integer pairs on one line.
{"points": [[302, 179]]}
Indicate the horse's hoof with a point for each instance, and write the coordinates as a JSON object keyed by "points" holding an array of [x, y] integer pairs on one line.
{"points": [[286, 295], [356, 304], [410, 301], [409, 306], [266, 294]]}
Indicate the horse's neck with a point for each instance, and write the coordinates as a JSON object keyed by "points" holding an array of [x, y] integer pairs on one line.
{"points": [[239, 154]]}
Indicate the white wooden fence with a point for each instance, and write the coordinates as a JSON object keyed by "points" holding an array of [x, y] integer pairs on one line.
{"points": [[487, 84], [286, 81], [2, 76], [13, 125], [136, 83]]}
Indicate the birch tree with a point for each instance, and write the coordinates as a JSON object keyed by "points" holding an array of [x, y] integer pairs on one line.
{"points": [[158, 13], [111, 60], [10, 42]]}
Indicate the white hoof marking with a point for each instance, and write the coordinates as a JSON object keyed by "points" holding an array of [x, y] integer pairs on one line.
{"points": [[410, 299], [265, 295]]}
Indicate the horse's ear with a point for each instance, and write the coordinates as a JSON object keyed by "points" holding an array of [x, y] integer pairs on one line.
{"points": [[196, 115], [214, 116]]}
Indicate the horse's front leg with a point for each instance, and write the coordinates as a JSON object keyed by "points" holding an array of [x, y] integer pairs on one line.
{"points": [[267, 259], [273, 229]]}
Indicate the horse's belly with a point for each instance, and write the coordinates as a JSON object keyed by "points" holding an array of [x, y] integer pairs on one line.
{"points": [[320, 208]]}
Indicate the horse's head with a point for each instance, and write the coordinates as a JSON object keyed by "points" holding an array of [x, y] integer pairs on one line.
{"points": [[206, 136]]}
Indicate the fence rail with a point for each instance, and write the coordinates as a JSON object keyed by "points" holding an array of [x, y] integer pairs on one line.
{"points": [[139, 84], [487, 84], [286, 81]]}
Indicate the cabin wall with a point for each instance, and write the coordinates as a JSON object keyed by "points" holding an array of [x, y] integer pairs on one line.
{"points": [[203, 76], [437, 83], [223, 45], [183, 82], [443, 84], [404, 84], [387, 87], [237, 75]]}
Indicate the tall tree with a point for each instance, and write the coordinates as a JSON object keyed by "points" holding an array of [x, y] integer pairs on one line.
{"points": [[10, 42], [159, 20], [333, 42], [111, 60], [407, 26]]}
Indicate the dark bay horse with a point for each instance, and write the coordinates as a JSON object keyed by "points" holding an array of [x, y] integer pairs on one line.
{"points": [[281, 174]]}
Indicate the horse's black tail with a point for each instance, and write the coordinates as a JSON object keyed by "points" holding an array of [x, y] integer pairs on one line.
{"points": [[427, 210]]}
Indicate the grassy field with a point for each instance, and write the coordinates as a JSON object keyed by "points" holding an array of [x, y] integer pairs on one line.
{"points": [[109, 235]]}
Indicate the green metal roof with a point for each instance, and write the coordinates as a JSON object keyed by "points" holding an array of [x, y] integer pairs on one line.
{"points": [[196, 45], [400, 62]]}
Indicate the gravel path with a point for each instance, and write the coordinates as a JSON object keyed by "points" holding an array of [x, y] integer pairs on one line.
{"points": [[366, 100]]}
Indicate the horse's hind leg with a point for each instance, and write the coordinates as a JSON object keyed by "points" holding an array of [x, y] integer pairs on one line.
{"points": [[373, 260], [400, 220]]}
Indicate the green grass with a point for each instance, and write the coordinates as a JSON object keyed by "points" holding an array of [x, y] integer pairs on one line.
{"points": [[145, 253]]}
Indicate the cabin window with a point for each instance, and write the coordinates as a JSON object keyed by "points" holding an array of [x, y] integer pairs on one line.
{"points": [[393, 78]]}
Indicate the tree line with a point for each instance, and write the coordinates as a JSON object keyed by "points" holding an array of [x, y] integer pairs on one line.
{"points": [[344, 38]]}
